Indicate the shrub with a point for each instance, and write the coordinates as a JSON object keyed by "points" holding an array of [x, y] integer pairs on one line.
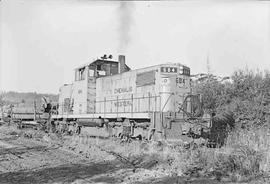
{"points": [[247, 96]]}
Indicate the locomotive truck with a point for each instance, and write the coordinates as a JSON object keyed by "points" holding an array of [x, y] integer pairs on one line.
{"points": [[107, 98]]}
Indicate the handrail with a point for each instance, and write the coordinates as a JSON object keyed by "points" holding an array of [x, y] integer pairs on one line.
{"points": [[100, 105]]}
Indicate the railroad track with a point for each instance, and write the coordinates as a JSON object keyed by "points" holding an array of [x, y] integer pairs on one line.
{"points": [[19, 151]]}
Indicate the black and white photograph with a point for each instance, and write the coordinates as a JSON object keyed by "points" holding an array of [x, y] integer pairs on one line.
{"points": [[134, 92]]}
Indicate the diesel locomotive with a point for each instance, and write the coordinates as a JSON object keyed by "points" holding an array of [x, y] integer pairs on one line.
{"points": [[107, 98]]}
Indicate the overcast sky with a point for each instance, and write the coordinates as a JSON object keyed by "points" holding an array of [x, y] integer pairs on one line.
{"points": [[43, 41]]}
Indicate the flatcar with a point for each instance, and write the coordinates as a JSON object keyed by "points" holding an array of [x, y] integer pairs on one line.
{"points": [[107, 98]]}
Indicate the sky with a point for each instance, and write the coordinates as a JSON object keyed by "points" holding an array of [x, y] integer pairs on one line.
{"points": [[42, 41]]}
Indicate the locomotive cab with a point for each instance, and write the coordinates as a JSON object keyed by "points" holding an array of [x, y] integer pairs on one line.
{"points": [[101, 67]]}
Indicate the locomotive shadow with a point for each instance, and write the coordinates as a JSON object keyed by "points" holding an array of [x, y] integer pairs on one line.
{"points": [[62, 174]]}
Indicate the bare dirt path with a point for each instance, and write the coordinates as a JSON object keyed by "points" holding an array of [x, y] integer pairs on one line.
{"points": [[66, 173], [25, 160]]}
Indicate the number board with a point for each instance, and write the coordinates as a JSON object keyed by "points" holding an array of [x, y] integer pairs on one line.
{"points": [[180, 81], [169, 69]]}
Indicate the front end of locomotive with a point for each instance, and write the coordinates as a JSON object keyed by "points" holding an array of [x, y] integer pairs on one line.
{"points": [[181, 117]]}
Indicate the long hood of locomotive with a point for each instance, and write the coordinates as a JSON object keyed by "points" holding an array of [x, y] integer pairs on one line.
{"points": [[157, 88]]}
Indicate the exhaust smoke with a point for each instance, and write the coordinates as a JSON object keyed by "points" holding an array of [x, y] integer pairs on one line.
{"points": [[125, 12]]}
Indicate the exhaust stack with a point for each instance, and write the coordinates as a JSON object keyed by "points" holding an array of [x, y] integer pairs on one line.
{"points": [[121, 64]]}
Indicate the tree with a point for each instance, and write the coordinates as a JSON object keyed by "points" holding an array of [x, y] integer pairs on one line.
{"points": [[247, 96], [214, 92], [251, 92]]}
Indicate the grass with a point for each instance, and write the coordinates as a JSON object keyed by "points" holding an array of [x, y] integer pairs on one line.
{"points": [[251, 145], [245, 156]]}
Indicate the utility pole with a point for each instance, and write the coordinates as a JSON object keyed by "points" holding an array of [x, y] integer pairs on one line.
{"points": [[208, 65]]}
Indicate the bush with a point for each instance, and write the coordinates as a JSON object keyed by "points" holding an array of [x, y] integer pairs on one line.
{"points": [[247, 96]]}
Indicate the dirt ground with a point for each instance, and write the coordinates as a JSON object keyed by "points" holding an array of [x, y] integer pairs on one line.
{"points": [[31, 156]]}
